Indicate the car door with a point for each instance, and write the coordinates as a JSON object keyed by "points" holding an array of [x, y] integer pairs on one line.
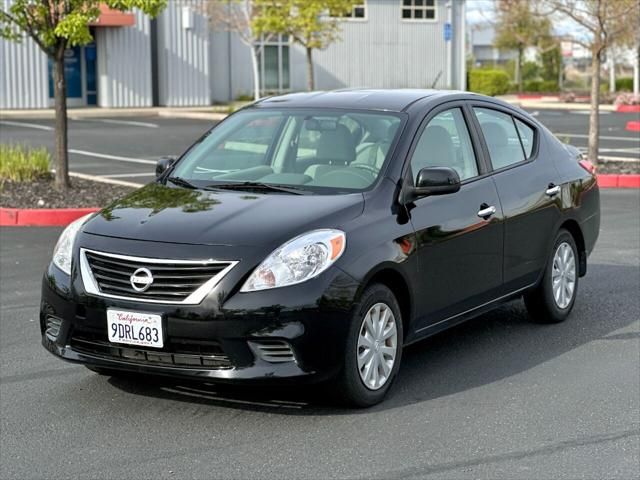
{"points": [[459, 235], [529, 190]]}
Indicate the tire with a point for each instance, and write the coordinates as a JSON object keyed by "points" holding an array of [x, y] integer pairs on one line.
{"points": [[350, 385], [542, 304]]}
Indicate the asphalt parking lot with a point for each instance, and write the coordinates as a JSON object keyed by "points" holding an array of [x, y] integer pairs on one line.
{"points": [[128, 148], [497, 397]]}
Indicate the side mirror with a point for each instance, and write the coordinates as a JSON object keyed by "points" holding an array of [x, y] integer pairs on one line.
{"points": [[163, 165], [432, 181]]}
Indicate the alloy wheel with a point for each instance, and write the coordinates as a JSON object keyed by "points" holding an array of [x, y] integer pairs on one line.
{"points": [[377, 346], [563, 276]]}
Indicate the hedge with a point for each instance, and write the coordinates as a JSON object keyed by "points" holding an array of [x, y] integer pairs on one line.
{"points": [[546, 86], [488, 82], [624, 84]]}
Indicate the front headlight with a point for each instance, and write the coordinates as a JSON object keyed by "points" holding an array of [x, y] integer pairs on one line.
{"points": [[298, 260], [63, 251]]}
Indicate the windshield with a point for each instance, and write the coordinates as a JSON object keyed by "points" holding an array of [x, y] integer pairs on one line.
{"points": [[320, 151]]}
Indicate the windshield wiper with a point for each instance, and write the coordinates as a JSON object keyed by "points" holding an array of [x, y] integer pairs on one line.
{"points": [[181, 182], [259, 186]]}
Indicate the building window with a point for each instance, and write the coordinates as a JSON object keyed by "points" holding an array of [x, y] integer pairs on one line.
{"points": [[418, 9], [358, 11], [273, 61]]}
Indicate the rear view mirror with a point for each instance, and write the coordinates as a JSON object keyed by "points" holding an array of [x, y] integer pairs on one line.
{"points": [[163, 165], [432, 181]]}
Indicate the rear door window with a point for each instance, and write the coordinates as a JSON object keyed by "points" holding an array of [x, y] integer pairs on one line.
{"points": [[501, 137], [526, 136]]}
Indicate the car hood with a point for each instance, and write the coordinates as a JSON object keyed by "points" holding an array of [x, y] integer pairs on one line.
{"points": [[163, 213]]}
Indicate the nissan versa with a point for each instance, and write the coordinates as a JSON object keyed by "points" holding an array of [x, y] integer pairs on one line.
{"points": [[310, 237]]}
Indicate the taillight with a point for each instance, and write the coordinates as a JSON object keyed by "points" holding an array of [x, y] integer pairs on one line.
{"points": [[588, 166]]}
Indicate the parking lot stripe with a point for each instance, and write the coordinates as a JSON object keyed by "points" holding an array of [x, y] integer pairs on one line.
{"points": [[601, 137], [125, 175], [112, 157], [118, 122], [26, 125]]}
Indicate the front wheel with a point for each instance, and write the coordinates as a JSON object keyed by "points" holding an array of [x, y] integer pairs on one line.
{"points": [[553, 299], [373, 350]]}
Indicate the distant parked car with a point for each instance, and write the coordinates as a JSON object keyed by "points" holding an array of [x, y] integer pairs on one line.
{"points": [[309, 237]]}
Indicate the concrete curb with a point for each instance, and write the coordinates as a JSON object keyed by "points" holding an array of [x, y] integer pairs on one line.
{"points": [[80, 113], [628, 108], [216, 117], [41, 217], [619, 181]]}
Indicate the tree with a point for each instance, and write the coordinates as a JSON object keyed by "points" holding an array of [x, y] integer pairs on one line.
{"points": [[310, 23], [55, 25], [551, 60], [237, 16], [605, 22], [518, 26]]}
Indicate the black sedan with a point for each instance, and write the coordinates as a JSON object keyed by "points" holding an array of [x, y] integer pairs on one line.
{"points": [[313, 236]]}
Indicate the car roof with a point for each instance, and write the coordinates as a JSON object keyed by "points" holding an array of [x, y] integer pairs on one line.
{"points": [[395, 100]]}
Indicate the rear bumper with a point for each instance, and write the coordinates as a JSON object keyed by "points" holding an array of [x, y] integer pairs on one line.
{"points": [[210, 341]]}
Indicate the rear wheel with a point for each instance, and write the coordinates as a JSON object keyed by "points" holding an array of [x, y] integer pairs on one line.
{"points": [[553, 299], [374, 348]]}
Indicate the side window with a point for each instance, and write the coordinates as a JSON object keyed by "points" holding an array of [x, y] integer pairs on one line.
{"points": [[445, 142], [526, 136], [501, 137]]}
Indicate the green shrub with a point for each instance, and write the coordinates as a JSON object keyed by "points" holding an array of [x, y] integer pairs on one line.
{"points": [[533, 86], [546, 86], [530, 71], [489, 82], [550, 86], [624, 84], [23, 164], [244, 97]]}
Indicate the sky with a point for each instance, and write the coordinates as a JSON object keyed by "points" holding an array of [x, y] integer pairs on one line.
{"points": [[482, 11], [479, 11]]}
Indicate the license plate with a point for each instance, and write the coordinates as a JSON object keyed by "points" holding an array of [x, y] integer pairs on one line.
{"points": [[135, 328]]}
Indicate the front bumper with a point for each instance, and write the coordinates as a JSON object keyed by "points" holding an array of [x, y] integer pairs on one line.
{"points": [[219, 340]]}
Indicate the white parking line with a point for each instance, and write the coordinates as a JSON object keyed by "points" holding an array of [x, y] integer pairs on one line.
{"points": [[27, 125], [117, 122], [601, 137], [587, 112], [117, 158], [126, 175]]}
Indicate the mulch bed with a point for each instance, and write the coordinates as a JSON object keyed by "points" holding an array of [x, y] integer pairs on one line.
{"points": [[619, 168], [43, 194]]}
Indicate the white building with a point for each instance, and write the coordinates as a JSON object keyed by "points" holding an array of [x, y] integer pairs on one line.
{"points": [[177, 60]]}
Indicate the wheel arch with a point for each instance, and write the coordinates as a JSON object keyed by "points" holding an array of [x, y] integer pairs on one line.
{"points": [[399, 286], [576, 232]]}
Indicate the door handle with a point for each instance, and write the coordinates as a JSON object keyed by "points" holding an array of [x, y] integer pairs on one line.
{"points": [[552, 190], [486, 211]]}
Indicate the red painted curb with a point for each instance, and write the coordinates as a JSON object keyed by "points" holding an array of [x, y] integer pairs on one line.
{"points": [[619, 181], [41, 217], [633, 126], [529, 96], [628, 108]]}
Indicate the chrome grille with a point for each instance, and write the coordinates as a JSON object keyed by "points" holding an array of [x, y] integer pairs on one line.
{"points": [[173, 281], [52, 325]]}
